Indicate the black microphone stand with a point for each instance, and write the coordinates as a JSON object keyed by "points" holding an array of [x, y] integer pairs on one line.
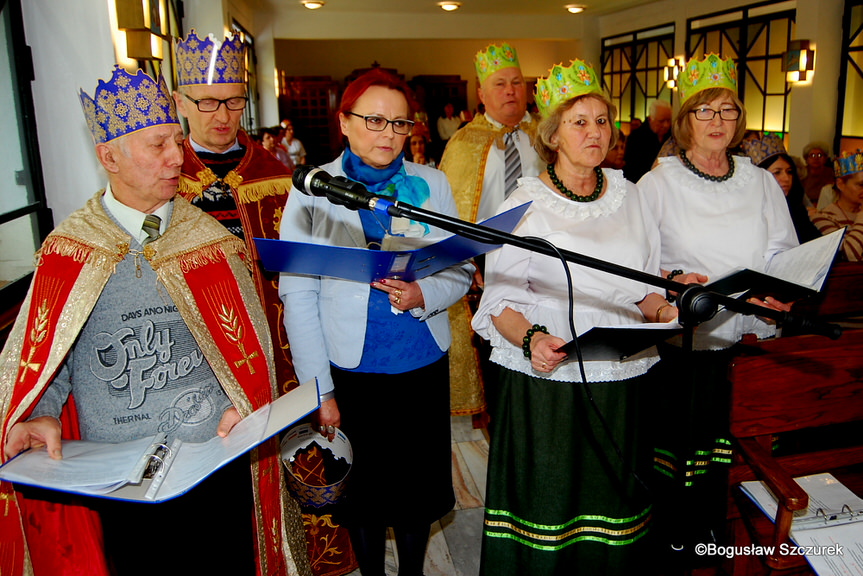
{"points": [[696, 304]]}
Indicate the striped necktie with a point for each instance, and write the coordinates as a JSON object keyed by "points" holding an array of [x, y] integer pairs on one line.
{"points": [[151, 226], [512, 165]]}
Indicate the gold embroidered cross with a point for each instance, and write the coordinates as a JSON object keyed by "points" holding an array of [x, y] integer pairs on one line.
{"points": [[28, 364], [247, 359]]}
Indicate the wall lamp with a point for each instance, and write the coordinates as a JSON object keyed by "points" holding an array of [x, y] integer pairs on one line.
{"points": [[141, 20], [671, 71], [798, 60], [312, 4]]}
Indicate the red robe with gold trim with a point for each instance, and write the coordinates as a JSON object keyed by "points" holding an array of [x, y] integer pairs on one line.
{"points": [[202, 267], [260, 186]]}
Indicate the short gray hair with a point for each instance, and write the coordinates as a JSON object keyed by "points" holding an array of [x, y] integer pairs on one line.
{"points": [[657, 104]]}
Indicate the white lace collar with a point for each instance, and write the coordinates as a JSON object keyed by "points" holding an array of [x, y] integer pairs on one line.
{"points": [[744, 173], [615, 192]]}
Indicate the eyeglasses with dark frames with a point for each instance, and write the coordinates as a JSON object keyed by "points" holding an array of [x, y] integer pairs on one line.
{"points": [[234, 103], [708, 114], [379, 124]]}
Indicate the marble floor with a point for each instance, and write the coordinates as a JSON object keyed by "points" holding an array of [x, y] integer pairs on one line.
{"points": [[455, 539]]}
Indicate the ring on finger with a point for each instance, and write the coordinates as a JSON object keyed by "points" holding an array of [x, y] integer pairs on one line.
{"points": [[398, 293], [322, 428], [331, 429], [398, 300]]}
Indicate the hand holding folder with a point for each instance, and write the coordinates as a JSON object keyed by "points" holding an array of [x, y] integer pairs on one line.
{"points": [[152, 469], [363, 265]]}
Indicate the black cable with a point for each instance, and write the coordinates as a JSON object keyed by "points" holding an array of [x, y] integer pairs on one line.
{"points": [[587, 390]]}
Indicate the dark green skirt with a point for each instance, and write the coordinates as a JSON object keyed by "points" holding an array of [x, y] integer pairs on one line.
{"points": [[693, 452], [560, 500]]}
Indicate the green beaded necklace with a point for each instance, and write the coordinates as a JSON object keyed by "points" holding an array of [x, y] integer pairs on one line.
{"points": [[688, 163], [600, 180]]}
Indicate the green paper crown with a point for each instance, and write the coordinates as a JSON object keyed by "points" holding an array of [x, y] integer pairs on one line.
{"points": [[127, 103], [207, 61], [494, 58], [565, 83], [848, 164], [712, 72]]}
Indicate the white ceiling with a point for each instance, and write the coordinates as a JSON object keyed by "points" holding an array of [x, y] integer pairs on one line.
{"points": [[525, 7]]}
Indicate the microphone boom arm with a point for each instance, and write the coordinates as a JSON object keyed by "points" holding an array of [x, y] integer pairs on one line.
{"points": [[696, 303]]}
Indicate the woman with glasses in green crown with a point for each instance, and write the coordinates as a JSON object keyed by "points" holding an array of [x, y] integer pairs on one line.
{"points": [[566, 495], [379, 351], [716, 213]]}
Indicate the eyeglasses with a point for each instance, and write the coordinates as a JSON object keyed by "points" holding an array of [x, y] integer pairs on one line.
{"points": [[816, 155], [212, 104], [379, 124], [708, 114]]}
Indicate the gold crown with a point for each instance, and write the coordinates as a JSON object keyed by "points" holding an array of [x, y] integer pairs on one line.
{"points": [[208, 61], [494, 58], [712, 72], [126, 104], [565, 83]]}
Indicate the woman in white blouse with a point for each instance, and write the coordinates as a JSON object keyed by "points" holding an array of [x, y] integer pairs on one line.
{"points": [[716, 213], [560, 498]]}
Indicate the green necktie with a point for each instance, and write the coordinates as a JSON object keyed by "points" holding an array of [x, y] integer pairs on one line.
{"points": [[151, 226]]}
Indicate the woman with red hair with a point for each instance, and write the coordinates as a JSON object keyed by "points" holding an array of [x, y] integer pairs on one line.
{"points": [[379, 351]]}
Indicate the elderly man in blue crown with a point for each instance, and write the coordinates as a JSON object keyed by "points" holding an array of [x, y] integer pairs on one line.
{"points": [[119, 338]]}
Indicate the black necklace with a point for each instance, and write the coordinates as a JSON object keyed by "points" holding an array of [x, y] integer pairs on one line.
{"points": [[600, 179], [700, 174]]}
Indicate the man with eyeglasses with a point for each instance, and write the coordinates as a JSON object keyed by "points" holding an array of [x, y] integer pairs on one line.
{"points": [[645, 142], [226, 173]]}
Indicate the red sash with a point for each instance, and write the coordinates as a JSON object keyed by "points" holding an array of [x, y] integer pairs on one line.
{"points": [[68, 537], [220, 303]]}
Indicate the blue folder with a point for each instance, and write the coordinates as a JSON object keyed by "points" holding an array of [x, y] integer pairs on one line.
{"points": [[364, 265]]}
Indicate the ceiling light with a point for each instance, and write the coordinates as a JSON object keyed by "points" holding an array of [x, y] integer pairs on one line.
{"points": [[575, 8], [449, 6], [312, 4]]}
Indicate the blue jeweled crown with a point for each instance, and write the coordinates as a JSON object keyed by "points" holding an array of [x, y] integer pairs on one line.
{"points": [[208, 61], [127, 103], [848, 164], [765, 146]]}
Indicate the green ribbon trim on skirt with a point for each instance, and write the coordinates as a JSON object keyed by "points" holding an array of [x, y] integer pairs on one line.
{"points": [[594, 528]]}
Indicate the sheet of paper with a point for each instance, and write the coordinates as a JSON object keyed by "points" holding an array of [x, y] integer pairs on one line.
{"points": [[829, 533], [809, 263], [97, 467]]}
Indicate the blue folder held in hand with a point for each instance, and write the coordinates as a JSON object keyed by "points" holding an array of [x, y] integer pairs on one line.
{"points": [[364, 265]]}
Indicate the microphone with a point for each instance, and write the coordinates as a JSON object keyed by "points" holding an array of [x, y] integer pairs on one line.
{"points": [[312, 181]]}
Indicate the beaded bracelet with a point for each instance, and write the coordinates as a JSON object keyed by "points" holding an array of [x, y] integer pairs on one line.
{"points": [[671, 275], [530, 332]]}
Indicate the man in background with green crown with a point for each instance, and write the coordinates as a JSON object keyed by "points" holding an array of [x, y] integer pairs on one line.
{"points": [[122, 336], [475, 161]]}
